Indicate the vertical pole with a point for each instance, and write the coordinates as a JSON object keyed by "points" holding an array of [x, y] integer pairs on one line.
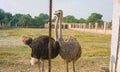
{"points": [[105, 24], [89, 25], [96, 26], [117, 52], [114, 61], [50, 24]]}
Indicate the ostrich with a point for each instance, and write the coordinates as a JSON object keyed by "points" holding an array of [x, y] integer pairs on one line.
{"points": [[70, 49], [39, 48]]}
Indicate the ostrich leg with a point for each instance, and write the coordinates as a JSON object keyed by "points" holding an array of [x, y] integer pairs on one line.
{"points": [[67, 66], [39, 65], [73, 66], [42, 65]]}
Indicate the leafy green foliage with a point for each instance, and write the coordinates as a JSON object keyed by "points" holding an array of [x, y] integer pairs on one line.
{"points": [[26, 20], [1, 15], [16, 18], [23, 20], [70, 19], [41, 19], [82, 20], [95, 17], [7, 17]]}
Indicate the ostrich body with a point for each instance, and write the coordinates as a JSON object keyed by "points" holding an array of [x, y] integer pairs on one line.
{"points": [[39, 48], [70, 49]]}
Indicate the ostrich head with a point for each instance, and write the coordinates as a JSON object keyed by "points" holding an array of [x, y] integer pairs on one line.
{"points": [[26, 40], [59, 13]]}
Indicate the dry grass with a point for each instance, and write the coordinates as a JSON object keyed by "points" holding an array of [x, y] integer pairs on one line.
{"points": [[15, 56]]}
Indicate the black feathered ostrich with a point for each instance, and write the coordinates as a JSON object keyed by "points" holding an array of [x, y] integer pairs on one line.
{"points": [[70, 49], [39, 48]]}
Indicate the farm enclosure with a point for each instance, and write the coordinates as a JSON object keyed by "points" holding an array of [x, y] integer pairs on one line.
{"points": [[15, 56]]}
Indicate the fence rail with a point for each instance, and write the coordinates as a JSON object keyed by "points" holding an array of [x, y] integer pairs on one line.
{"points": [[101, 28]]}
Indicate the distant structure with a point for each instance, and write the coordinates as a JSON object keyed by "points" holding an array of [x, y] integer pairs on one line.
{"points": [[3, 25], [101, 27]]}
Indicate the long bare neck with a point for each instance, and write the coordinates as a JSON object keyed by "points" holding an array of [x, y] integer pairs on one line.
{"points": [[56, 26], [60, 26]]}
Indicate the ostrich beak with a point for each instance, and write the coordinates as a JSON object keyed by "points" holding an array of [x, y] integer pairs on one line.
{"points": [[56, 13]]}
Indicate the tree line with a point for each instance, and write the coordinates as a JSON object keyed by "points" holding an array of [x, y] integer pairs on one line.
{"points": [[25, 20]]}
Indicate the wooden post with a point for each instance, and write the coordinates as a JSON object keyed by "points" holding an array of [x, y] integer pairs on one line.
{"points": [[89, 25], [0, 25], [96, 26], [69, 26], [50, 29], [117, 51], [115, 55], [80, 25], [105, 26]]}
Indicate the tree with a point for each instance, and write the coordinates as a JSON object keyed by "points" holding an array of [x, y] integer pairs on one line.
{"points": [[70, 19], [95, 17], [41, 19], [7, 17], [25, 20], [1, 10], [44, 17], [2, 13], [16, 18], [82, 20]]}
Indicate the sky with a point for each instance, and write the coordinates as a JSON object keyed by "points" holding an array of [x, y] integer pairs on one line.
{"points": [[77, 8]]}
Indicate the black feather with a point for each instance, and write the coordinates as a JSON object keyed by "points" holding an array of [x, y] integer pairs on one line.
{"points": [[39, 47]]}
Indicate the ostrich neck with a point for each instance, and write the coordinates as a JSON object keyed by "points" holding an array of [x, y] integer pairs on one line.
{"points": [[56, 26], [60, 26]]}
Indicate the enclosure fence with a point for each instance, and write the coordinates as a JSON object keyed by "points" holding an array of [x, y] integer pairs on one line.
{"points": [[101, 27]]}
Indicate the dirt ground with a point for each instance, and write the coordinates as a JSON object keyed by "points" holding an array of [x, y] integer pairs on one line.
{"points": [[15, 56], [15, 64]]}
